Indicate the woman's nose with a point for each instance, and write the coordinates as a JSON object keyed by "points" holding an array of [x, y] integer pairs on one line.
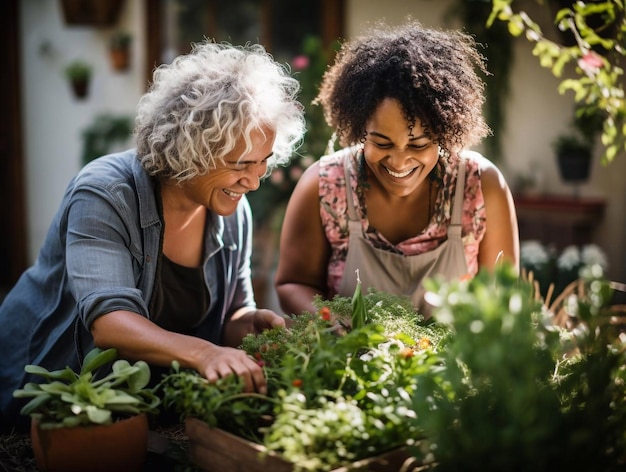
{"points": [[253, 176], [397, 155]]}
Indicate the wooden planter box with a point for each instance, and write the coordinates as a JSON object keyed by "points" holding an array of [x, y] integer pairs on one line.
{"points": [[213, 449]]}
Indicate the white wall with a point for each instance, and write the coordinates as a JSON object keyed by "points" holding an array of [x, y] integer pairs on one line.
{"points": [[53, 119]]}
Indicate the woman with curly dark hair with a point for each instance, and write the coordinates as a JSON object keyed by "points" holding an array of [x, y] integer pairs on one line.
{"points": [[404, 199]]}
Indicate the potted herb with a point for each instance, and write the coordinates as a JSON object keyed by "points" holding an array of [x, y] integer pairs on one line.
{"points": [[119, 50], [82, 422], [79, 72]]}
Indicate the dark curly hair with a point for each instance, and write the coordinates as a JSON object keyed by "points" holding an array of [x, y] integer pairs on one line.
{"points": [[432, 73]]}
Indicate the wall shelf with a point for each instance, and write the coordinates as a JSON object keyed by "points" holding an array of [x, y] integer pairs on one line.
{"points": [[558, 220], [91, 12]]}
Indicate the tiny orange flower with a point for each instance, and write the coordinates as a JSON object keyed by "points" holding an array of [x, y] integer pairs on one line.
{"points": [[424, 343], [297, 383], [406, 353], [325, 313]]}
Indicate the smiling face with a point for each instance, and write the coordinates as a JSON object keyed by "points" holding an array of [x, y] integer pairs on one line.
{"points": [[222, 187], [399, 156]]}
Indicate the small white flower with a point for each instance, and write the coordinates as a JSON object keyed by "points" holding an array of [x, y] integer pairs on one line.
{"points": [[592, 254], [532, 253], [569, 258]]}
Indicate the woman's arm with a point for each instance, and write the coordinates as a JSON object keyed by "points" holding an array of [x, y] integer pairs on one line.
{"points": [[501, 240], [136, 337], [304, 250]]}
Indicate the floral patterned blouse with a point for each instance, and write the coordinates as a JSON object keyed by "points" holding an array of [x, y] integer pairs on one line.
{"points": [[334, 213]]}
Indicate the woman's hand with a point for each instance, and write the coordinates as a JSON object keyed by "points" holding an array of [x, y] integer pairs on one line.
{"points": [[266, 319], [226, 360], [249, 320], [221, 362]]}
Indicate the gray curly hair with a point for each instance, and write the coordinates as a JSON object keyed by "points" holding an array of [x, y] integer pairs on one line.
{"points": [[199, 107]]}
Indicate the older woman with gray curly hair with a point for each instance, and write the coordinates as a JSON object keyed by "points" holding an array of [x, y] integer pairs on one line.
{"points": [[405, 199], [150, 250]]}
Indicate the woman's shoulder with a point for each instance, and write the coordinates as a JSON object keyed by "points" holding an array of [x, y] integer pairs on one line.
{"points": [[119, 178], [110, 170], [331, 166], [337, 158], [476, 162]]}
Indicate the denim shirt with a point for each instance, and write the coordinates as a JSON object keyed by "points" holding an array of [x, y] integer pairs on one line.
{"points": [[100, 255]]}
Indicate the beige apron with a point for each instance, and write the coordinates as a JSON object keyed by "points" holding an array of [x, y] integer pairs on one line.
{"points": [[396, 273]]}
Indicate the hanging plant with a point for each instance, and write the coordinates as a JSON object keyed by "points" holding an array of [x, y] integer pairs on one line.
{"points": [[119, 50], [79, 73]]}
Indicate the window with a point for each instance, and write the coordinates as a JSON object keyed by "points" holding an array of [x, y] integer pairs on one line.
{"points": [[280, 25]]}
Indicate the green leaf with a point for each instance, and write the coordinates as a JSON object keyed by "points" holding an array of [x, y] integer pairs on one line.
{"points": [[122, 397], [55, 388], [64, 374], [97, 358], [516, 25], [98, 415], [36, 404], [359, 311], [140, 378]]}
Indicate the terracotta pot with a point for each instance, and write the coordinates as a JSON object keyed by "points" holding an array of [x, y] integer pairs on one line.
{"points": [[120, 58], [121, 446]]}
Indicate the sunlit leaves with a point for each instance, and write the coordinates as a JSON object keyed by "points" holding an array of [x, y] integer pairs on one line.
{"points": [[598, 81]]}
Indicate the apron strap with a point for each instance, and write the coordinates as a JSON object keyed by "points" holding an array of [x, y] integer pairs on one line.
{"points": [[352, 216], [456, 219]]}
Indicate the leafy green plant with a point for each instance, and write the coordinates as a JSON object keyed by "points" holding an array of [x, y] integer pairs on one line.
{"points": [[333, 398], [599, 31], [521, 393], [105, 131], [71, 399], [78, 70], [491, 384], [120, 40]]}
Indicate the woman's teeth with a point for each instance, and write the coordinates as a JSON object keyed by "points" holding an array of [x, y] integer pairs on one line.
{"points": [[399, 175], [232, 194]]}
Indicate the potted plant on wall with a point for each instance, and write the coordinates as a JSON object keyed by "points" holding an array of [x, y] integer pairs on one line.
{"points": [[574, 150], [82, 422], [119, 50], [105, 131], [79, 72]]}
